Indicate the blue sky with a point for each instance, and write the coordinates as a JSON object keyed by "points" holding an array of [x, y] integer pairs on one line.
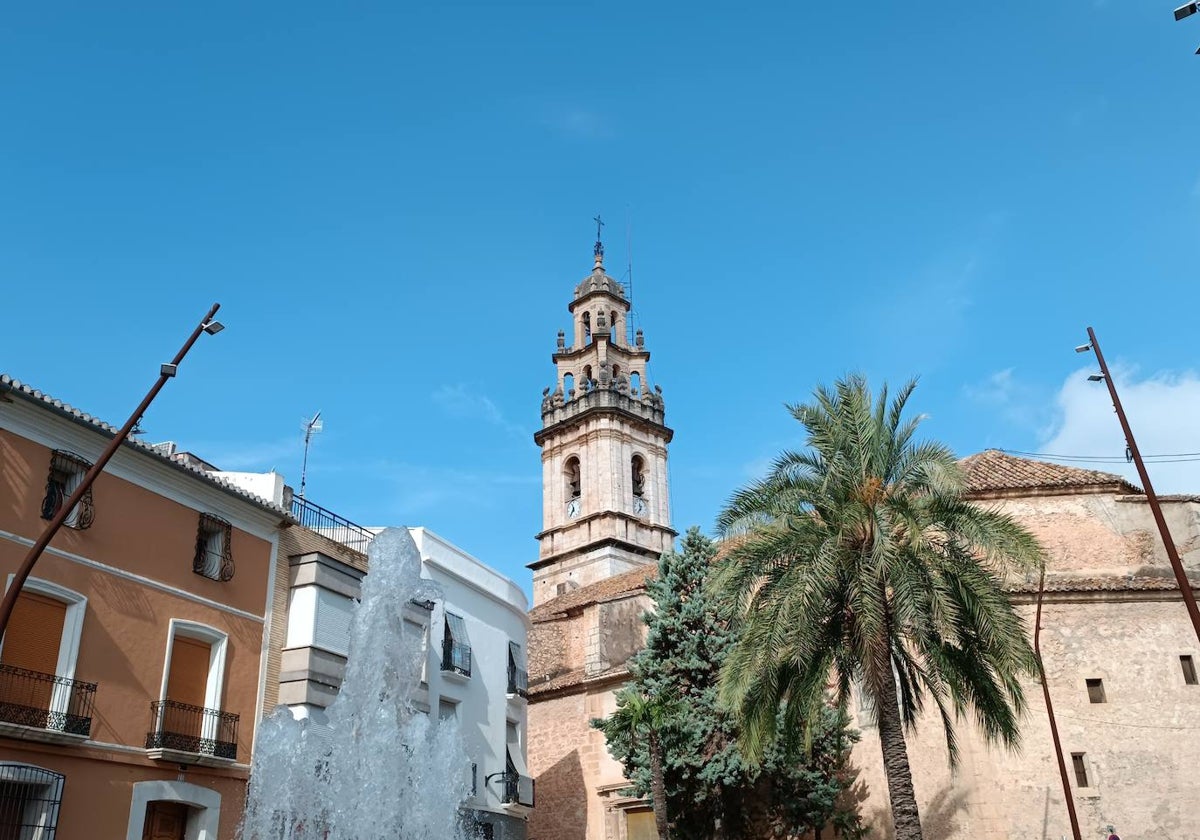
{"points": [[393, 202]]}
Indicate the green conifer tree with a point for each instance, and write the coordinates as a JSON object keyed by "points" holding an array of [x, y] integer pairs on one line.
{"points": [[710, 790]]}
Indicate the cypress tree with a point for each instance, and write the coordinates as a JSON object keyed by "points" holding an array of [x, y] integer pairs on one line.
{"points": [[711, 791]]}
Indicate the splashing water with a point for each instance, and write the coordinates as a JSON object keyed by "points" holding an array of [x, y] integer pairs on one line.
{"points": [[383, 770]]}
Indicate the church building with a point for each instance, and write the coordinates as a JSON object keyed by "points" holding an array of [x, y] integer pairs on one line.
{"points": [[606, 519]]}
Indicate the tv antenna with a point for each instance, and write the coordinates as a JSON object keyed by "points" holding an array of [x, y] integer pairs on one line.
{"points": [[311, 427]]}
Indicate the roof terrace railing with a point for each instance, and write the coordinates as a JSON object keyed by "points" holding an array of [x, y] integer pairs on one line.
{"points": [[328, 524]]}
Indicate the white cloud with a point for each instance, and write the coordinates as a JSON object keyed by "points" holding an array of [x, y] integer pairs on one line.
{"points": [[248, 456], [1162, 411], [1018, 402], [459, 402]]}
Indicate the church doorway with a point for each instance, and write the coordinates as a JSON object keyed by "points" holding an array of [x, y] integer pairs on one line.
{"points": [[165, 821]]}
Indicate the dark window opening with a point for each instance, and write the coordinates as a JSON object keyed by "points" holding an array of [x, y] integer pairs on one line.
{"points": [[1081, 776], [572, 470], [638, 468], [67, 471], [456, 650], [1095, 689], [1189, 670], [30, 798], [214, 550]]}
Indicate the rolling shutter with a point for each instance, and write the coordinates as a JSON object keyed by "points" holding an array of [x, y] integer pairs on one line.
{"points": [[188, 680], [34, 633]]}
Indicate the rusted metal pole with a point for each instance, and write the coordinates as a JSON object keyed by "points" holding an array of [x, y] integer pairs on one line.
{"points": [[1185, 586], [64, 510], [1058, 753]]}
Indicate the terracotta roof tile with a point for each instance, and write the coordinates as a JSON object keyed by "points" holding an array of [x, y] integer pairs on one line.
{"points": [[602, 590], [993, 470]]}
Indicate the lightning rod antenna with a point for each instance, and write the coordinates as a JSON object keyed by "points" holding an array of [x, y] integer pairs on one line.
{"points": [[629, 271], [311, 427]]}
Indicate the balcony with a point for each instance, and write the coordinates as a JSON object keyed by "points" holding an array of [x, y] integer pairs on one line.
{"points": [[186, 734], [518, 790], [518, 681], [43, 706], [456, 658], [331, 526]]}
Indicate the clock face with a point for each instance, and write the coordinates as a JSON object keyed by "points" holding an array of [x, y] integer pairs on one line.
{"points": [[573, 508], [639, 505]]}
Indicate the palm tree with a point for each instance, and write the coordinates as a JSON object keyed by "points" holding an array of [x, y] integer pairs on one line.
{"points": [[861, 564], [643, 716]]}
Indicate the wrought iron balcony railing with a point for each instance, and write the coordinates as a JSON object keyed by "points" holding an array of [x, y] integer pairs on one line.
{"points": [[518, 681], [44, 701], [192, 729], [518, 790], [328, 524], [456, 657]]}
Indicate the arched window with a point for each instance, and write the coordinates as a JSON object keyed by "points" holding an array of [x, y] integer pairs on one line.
{"points": [[638, 469], [568, 385], [573, 478], [635, 383], [616, 371], [612, 326], [587, 327], [588, 384]]}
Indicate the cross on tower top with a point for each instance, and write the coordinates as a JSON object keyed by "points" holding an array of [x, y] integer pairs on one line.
{"points": [[599, 250]]}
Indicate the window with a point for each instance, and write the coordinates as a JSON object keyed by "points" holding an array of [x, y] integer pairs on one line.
{"points": [[447, 709], [573, 478], [67, 471], [37, 661], [1189, 670], [214, 552], [638, 469], [587, 327], [518, 678], [456, 649], [1080, 766], [30, 798], [640, 825], [188, 715], [1095, 689], [518, 788]]}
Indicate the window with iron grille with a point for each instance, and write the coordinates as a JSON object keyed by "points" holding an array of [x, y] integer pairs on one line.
{"points": [[67, 471], [30, 798], [214, 555]]}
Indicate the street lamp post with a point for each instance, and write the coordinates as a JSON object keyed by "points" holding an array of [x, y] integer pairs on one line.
{"points": [[166, 372], [1185, 586], [1058, 753]]}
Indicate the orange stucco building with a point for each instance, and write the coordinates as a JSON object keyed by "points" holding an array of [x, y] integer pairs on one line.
{"points": [[133, 672]]}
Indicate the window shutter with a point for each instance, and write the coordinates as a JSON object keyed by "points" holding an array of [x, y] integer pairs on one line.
{"points": [[188, 680], [457, 628], [34, 633]]}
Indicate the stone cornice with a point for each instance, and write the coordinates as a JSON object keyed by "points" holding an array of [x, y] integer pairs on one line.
{"points": [[631, 547], [603, 401]]}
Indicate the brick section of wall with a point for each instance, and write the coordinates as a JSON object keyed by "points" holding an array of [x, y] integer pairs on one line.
{"points": [[558, 729], [292, 541]]}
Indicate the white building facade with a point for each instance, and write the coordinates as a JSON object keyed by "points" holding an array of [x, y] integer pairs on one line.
{"points": [[474, 668]]}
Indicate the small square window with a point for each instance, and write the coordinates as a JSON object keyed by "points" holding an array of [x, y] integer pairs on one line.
{"points": [[1095, 690], [214, 553], [1080, 767], [1189, 670]]}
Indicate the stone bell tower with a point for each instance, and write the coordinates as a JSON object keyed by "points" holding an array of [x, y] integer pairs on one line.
{"points": [[605, 498]]}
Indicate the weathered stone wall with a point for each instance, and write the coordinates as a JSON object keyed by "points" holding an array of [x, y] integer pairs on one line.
{"points": [[1098, 535], [1141, 747]]}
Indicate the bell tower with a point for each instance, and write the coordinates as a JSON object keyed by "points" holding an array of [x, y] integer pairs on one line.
{"points": [[605, 497]]}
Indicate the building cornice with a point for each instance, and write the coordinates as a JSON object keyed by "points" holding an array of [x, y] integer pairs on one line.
{"points": [[599, 408]]}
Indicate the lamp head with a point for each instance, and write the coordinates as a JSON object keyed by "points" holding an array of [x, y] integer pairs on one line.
{"points": [[1083, 348], [167, 370], [1186, 10], [213, 327], [1096, 377]]}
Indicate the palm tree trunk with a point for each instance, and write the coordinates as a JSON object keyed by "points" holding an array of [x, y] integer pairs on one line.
{"points": [[658, 790], [905, 816]]}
